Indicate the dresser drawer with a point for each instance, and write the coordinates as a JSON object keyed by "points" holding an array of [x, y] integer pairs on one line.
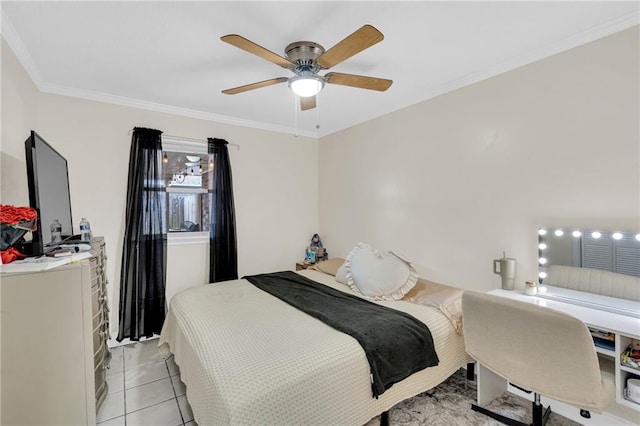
{"points": [[98, 355], [99, 337], [100, 376], [98, 300], [95, 271], [98, 318], [96, 292], [101, 395]]}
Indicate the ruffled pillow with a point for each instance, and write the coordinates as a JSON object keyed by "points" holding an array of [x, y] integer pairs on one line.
{"points": [[379, 276], [341, 274]]}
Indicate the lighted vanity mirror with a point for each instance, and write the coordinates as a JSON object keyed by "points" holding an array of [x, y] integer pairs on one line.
{"points": [[593, 268], [607, 250]]}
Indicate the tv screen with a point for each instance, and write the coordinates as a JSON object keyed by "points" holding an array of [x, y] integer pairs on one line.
{"points": [[49, 195]]}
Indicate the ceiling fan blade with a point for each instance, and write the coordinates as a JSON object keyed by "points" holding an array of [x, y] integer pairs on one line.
{"points": [[251, 47], [360, 81], [307, 103], [361, 39], [252, 86]]}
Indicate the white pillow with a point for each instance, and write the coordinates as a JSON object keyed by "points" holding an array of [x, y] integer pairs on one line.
{"points": [[341, 274], [380, 276]]}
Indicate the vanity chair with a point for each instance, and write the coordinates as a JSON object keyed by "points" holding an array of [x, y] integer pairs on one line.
{"points": [[536, 349]]}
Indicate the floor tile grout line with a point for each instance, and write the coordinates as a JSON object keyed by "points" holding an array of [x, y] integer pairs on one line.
{"points": [[153, 405], [124, 391], [123, 396], [152, 381], [174, 392]]}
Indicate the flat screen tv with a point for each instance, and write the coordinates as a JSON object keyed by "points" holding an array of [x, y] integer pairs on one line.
{"points": [[48, 178]]}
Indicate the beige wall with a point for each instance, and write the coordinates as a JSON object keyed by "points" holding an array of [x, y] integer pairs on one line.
{"points": [[274, 176], [453, 182], [19, 111], [450, 183]]}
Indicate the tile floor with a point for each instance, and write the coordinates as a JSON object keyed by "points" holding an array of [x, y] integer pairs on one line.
{"points": [[144, 389]]}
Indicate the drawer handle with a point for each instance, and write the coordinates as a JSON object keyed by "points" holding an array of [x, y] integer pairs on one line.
{"points": [[103, 334], [103, 298]]}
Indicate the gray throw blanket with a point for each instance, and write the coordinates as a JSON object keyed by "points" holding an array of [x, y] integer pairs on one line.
{"points": [[395, 343]]}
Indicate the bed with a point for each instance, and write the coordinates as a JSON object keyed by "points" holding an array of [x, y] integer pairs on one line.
{"points": [[246, 357]]}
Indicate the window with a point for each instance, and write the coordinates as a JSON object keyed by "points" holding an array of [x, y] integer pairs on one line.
{"points": [[187, 170]]}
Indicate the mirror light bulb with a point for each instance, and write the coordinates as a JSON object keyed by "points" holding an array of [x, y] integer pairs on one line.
{"points": [[638, 237], [542, 246], [559, 232], [617, 235], [542, 232], [596, 235], [577, 234], [542, 260], [542, 275]]}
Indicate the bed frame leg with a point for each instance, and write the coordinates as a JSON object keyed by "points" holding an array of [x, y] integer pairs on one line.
{"points": [[384, 419], [471, 371]]}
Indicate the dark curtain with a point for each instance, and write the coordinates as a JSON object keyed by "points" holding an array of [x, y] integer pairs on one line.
{"points": [[144, 252], [223, 256]]}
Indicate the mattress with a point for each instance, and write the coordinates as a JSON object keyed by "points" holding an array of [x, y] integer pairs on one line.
{"points": [[248, 358]]}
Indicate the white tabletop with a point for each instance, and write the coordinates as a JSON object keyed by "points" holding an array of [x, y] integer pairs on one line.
{"points": [[599, 318]]}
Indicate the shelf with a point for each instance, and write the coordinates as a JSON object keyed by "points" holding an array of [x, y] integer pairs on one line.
{"points": [[606, 352], [630, 370], [628, 403]]}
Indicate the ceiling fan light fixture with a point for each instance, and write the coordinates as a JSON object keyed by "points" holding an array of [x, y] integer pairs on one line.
{"points": [[306, 84]]}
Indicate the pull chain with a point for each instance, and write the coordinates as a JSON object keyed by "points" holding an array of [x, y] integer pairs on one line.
{"points": [[296, 102], [318, 113]]}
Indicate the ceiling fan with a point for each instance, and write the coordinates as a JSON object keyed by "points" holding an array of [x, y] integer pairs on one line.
{"points": [[307, 58]]}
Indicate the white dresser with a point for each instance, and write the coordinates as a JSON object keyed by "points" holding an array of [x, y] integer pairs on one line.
{"points": [[54, 327]]}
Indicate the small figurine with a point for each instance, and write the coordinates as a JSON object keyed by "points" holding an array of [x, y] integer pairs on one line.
{"points": [[315, 241], [315, 247]]}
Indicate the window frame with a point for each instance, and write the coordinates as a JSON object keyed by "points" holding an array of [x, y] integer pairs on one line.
{"points": [[172, 144]]}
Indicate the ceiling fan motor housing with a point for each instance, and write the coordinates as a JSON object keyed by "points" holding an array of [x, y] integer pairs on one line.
{"points": [[304, 55]]}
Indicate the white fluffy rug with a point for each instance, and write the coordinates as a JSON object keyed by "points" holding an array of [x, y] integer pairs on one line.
{"points": [[450, 404]]}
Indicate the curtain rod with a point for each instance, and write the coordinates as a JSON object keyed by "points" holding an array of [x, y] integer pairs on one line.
{"points": [[189, 139]]}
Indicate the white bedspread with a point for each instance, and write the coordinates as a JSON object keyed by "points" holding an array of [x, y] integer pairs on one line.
{"points": [[249, 358]]}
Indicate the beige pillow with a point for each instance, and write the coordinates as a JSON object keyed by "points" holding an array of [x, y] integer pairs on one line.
{"points": [[447, 299], [329, 266], [341, 275]]}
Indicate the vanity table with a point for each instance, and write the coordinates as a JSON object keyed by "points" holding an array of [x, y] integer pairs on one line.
{"points": [[619, 316]]}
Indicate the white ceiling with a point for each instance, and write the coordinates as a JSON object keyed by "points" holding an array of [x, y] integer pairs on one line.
{"points": [[168, 56]]}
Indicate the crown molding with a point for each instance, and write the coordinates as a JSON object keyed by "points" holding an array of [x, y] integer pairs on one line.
{"points": [[616, 25], [169, 109], [15, 43]]}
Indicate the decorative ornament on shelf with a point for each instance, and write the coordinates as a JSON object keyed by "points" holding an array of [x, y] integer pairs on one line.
{"points": [[315, 251]]}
